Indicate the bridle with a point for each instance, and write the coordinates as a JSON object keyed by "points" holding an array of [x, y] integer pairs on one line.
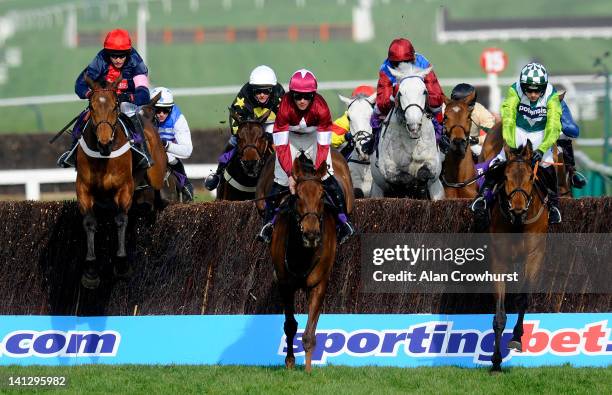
{"points": [[300, 217], [528, 197], [96, 125], [401, 115], [261, 154]]}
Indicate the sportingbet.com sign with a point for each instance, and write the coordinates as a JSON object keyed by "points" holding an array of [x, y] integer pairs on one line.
{"points": [[355, 340]]}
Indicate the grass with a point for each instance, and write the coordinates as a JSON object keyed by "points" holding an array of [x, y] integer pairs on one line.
{"points": [[139, 379]]}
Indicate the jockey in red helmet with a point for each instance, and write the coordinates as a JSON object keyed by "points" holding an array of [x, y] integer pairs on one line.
{"points": [[401, 50], [303, 124], [115, 59]]}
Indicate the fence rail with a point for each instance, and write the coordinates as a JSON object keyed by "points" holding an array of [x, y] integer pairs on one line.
{"points": [[33, 179]]}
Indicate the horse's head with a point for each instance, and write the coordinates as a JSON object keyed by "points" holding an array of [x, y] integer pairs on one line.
{"points": [[309, 200], [253, 143], [411, 98], [519, 183], [148, 110], [104, 108], [359, 112], [457, 123]]}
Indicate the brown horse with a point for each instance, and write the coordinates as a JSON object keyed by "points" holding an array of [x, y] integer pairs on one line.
{"points": [[104, 169], [458, 166], [303, 245], [239, 180], [519, 208]]}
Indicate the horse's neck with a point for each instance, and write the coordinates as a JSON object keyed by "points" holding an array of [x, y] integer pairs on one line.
{"points": [[459, 169]]}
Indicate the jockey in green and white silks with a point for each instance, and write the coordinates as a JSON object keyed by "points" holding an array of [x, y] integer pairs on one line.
{"points": [[539, 121], [531, 111]]}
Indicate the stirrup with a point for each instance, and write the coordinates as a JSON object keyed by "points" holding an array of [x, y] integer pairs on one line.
{"points": [[63, 160], [345, 231], [578, 180], [265, 234], [476, 204], [554, 215], [212, 181]]}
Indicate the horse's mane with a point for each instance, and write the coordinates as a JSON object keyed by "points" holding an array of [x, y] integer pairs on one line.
{"points": [[306, 164]]}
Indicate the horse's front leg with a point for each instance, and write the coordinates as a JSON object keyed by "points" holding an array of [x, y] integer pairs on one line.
{"points": [[521, 305], [123, 200], [290, 326], [86, 202], [499, 324], [315, 301]]}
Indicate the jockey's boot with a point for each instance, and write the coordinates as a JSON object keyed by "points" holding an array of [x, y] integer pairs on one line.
{"points": [[550, 180], [479, 205], [334, 191], [68, 158], [272, 200], [140, 144], [578, 180], [187, 190], [212, 181]]}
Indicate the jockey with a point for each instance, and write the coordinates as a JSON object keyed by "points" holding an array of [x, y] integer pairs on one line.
{"points": [[402, 51], [303, 124], [482, 119], [261, 93], [175, 135], [117, 58], [341, 126], [530, 111], [569, 131]]}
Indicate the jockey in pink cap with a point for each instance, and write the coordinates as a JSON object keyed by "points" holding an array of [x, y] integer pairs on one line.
{"points": [[303, 124]]}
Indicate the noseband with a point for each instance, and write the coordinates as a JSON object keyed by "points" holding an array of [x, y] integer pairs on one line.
{"points": [[528, 197]]}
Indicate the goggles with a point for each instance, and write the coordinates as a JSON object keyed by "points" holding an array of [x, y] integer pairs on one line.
{"points": [[297, 96]]}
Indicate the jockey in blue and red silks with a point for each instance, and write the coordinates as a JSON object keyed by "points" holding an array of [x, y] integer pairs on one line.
{"points": [[402, 51], [303, 124], [115, 59]]}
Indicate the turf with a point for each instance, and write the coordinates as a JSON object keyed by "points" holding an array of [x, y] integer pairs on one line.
{"points": [[138, 379]]}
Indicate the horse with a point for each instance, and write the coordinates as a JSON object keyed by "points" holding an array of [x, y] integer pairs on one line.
{"points": [[458, 166], [254, 146], [406, 161], [303, 250], [104, 170], [520, 207], [359, 111]]}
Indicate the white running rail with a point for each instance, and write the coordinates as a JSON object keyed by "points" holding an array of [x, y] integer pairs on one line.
{"points": [[32, 179]]}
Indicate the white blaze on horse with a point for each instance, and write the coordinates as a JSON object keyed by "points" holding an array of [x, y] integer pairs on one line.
{"points": [[359, 111], [406, 162]]}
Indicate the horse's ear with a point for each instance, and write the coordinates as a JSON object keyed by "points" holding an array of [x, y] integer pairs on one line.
{"points": [[262, 118], [235, 116], [528, 149], [422, 73], [116, 82], [396, 73], [297, 170], [470, 99], [155, 99], [372, 98], [345, 99], [562, 95], [90, 83], [322, 170]]}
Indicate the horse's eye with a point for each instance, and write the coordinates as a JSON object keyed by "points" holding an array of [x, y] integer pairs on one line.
{"points": [[349, 118]]}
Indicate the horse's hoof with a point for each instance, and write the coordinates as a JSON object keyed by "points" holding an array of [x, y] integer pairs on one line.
{"points": [[122, 268], [90, 281], [515, 345], [495, 371], [290, 362]]}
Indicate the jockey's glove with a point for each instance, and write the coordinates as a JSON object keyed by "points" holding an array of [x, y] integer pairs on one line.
{"points": [[536, 157], [125, 97]]}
